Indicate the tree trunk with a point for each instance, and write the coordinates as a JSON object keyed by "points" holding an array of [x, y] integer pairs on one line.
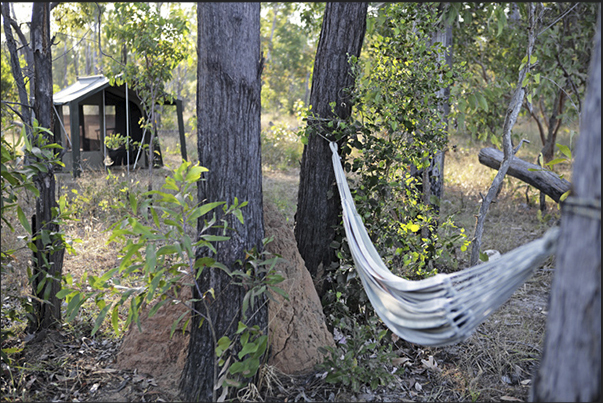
{"points": [[228, 138], [510, 119], [16, 68], [570, 368], [48, 262], [318, 205], [436, 168], [546, 181], [548, 149]]}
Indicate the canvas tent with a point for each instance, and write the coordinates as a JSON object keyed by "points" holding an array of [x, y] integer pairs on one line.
{"points": [[98, 110]]}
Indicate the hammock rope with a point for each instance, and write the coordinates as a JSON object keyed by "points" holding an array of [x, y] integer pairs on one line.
{"points": [[446, 308]]}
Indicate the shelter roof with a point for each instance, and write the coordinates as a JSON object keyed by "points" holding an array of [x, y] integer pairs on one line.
{"points": [[83, 87]]}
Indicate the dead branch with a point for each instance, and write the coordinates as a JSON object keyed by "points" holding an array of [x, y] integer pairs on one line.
{"points": [[547, 182]]}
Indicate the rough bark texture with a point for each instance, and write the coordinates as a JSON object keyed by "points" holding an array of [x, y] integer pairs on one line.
{"points": [[228, 141], [570, 368], [318, 205], [546, 181], [47, 314]]}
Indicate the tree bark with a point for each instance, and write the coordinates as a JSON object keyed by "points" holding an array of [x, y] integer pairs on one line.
{"points": [[546, 181], [48, 261], [570, 368], [228, 140], [318, 205]]}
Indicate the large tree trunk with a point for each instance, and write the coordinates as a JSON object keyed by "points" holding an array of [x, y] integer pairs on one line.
{"points": [[228, 133], [570, 368], [48, 260], [318, 205]]}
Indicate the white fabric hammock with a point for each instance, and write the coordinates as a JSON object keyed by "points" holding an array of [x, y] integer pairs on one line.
{"points": [[443, 309]]}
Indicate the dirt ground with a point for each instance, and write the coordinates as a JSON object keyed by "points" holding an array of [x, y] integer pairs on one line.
{"points": [[495, 364]]}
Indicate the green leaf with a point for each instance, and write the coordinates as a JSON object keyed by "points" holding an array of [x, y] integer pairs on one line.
{"points": [[100, 318], [168, 250], [280, 291], [156, 307], [175, 324], [239, 215], [472, 101], [247, 368], [223, 345], [215, 238], [555, 161], [482, 101], [115, 319], [151, 258], [413, 227], [73, 307], [525, 81], [565, 150], [23, 219], [194, 173], [133, 203], [248, 348], [63, 293], [241, 327], [155, 217], [204, 209]]}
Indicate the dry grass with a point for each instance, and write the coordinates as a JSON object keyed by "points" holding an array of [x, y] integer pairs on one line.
{"points": [[495, 364]]}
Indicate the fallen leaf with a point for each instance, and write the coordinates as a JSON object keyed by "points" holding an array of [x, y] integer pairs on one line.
{"points": [[30, 382], [94, 388], [430, 363], [510, 399]]}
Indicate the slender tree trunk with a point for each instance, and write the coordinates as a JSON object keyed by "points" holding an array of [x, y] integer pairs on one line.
{"points": [[65, 83], [48, 262], [570, 368], [11, 44], [275, 7], [436, 169], [548, 149], [510, 119], [318, 205], [228, 139]]}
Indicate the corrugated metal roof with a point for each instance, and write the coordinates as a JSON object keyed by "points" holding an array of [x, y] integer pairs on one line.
{"points": [[83, 87]]}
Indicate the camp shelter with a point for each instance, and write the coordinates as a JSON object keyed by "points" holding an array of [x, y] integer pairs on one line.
{"points": [[100, 109]]}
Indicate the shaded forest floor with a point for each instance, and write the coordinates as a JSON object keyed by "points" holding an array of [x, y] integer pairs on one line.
{"points": [[495, 364]]}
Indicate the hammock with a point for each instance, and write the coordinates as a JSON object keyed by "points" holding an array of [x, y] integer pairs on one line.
{"points": [[446, 308]]}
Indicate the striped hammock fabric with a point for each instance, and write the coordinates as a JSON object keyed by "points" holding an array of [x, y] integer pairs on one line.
{"points": [[446, 308]]}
